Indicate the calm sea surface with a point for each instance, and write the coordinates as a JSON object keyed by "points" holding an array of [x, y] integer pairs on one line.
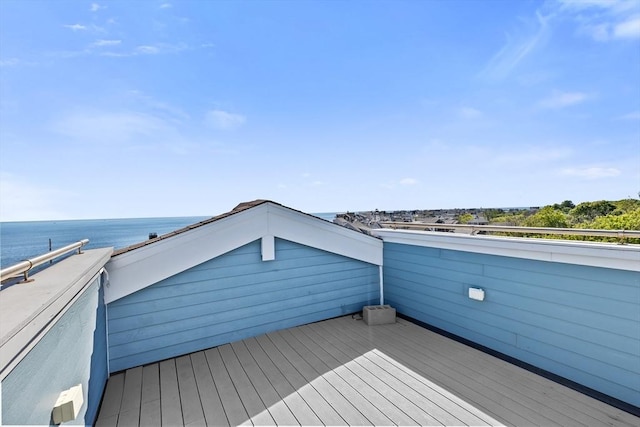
{"points": [[24, 240]]}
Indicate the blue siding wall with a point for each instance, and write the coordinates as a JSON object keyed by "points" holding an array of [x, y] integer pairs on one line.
{"points": [[235, 296], [579, 322], [72, 352]]}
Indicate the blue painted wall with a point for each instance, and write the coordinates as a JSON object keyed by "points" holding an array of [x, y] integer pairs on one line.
{"points": [[579, 322], [235, 296], [72, 352]]}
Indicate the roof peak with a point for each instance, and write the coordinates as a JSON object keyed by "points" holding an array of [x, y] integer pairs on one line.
{"points": [[246, 205]]}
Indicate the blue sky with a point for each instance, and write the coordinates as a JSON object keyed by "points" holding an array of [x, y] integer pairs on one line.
{"points": [[115, 109]]}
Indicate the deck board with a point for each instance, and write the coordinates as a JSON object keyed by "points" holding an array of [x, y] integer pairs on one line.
{"points": [[392, 390], [323, 362], [209, 395], [362, 382], [299, 407], [250, 398], [349, 413], [438, 371], [278, 409], [150, 412], [490, 372], [171, 409], [324, 411], [192, 412], [132, 391], [111, 401], [231, 401], [341, 371]]}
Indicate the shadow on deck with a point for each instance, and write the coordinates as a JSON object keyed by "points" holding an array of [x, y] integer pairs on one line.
{"points": [[343, 372]]}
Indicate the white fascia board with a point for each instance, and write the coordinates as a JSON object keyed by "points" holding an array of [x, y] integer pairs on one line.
{"points": [[144, 266], [131, 271], [622, 257], [310, 231]]}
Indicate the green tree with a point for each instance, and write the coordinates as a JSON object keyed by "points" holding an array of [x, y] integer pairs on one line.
{"points": [[512, 218], [493, 213], [625, 221], [588, 211], [465, 218], [626, 205], [547, 217], [565, 206]]}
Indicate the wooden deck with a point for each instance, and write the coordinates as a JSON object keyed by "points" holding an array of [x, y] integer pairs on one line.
{"points": [[343, 372]]}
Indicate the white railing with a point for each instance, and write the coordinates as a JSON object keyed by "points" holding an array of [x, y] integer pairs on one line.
{"points": [[23, 267], [474, 229]]}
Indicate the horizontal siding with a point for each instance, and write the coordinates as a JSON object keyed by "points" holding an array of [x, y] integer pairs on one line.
{"points": [[579, 322], [235, 296]]}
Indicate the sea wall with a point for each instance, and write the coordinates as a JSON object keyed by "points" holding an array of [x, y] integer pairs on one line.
{"points": [[235, 296], [575, 320]]}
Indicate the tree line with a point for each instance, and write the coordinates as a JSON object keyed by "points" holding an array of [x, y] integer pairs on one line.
{"points": [[602, 215]]}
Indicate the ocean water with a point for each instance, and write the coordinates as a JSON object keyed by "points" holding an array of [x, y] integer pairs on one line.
{"points": [[23, 240]]}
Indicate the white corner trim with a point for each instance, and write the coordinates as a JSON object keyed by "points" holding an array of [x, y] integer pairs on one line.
{"points": [[622, 257], [149, 264]]}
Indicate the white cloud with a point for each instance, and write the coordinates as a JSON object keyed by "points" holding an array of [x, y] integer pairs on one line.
{"points": [[532, 35], [166, 5], [606, 31], [160, 48], [408, 181], [112, 127], [148, 50], [634, 115], [629, 29], [103, 43], [602, 20], [81, 27], [223, 120], [16, 62], [599, 32], [563, 99], [591, 172], [96, 7], [581, 5], [160, 108], [10, 62], [156, 49], [76, 27]]}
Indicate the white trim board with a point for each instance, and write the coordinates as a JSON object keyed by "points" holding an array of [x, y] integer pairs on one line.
{"points": [[141, 267], [621, 257]]}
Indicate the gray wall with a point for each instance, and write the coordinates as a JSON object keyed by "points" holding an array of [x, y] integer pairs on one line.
{"points": [[579, 322], [72, 352], [235, 296]]}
